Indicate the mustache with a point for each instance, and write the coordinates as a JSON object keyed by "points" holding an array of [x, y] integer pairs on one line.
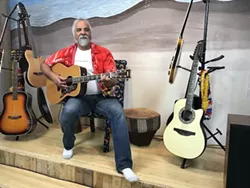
{"points": [[83, 37]]}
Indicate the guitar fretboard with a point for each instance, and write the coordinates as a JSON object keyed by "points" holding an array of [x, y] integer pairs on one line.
{"points": [[192, 78], [96, 77], [15, 80]]}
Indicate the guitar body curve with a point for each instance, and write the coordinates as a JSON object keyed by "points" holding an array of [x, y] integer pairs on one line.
{"points": [[56, 95], [34, 76], [17, 117], [185, 139]]}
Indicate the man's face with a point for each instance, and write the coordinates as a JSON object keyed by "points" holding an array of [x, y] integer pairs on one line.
{"points": [[82, 28]]}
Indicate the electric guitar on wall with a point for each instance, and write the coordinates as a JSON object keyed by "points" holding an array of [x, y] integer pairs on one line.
{"points": [[34, 76], [178, 50], [76, 79], [184, 136], [17, 117]]}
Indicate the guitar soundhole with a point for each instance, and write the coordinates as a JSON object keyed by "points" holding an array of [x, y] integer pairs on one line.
{"points": [[69, 81], [186, 116]]}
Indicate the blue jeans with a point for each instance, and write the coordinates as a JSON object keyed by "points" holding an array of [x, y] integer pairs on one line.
{"points": [[76, 107]]}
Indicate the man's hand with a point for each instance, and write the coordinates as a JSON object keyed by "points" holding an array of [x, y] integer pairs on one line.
{"points": [[59, 81], [107, 81]]}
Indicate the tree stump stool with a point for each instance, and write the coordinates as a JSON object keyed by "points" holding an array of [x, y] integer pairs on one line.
{"points": [[142, 125]]}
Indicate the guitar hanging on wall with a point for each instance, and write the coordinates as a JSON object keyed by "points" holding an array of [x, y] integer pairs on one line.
{"points": [[76, 79], [178, 50], [34, 76], [17, 117], [184, 136]]}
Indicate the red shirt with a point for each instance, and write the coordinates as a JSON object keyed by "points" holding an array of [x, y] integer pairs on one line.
{"points": [[102, 61]]}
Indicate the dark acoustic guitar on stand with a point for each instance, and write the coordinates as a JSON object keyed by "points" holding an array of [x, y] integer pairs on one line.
{"points": [[76, 80], [34, 76], [178, 50], [17, 117]]}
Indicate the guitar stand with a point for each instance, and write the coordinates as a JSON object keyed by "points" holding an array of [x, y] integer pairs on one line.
{"points": [[38, 119], [210, 69], [44, 109], [201, 58], [211, 136]]}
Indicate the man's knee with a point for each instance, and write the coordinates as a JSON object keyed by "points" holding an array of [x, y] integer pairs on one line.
{"points": [[68, 111], [115, 107]]}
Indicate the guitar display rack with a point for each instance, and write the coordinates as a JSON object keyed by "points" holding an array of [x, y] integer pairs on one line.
{"points": [[42, 102], [209, 70]]}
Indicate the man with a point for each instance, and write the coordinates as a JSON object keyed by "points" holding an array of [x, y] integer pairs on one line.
{"points": [[96, 60]]}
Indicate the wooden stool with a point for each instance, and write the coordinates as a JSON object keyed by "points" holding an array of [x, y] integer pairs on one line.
{"points": [[142, 124]]}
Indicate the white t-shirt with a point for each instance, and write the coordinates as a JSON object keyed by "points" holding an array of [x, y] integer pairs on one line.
{"points": [[83, 58]]}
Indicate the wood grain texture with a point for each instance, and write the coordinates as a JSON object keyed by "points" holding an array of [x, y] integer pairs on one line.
{"points": [[156, 167], [15, 178]]}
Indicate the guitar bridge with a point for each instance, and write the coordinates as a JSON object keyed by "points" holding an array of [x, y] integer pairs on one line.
{"points": [[14, 117], [184, 132]]}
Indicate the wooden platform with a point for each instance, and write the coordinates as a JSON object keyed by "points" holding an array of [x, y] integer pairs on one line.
{"points": [[156, 167], [12, 177]]}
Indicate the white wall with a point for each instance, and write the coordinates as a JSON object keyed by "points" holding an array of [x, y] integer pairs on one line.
{"points": [[149, 86]]}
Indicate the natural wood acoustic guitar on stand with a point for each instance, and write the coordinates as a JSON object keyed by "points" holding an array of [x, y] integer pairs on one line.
{"points": [[76, 79], [17, 117], [34, 76]]}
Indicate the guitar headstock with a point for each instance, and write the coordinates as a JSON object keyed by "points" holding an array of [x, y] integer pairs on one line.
{"points": [[16, 55], [22, 12], [122, 74]]}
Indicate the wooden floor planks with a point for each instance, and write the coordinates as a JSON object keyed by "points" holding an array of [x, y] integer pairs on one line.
{"points": [[12, 177], [41, 151]]}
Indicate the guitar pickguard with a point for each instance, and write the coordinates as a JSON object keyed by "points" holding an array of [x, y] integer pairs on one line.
{"points": [[67, 90]]}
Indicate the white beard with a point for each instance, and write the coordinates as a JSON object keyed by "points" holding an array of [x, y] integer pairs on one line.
{"points": [[83, 40]]}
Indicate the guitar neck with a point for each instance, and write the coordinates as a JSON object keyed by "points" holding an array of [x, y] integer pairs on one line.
{"points": [[192, 77], [203, 56], [86, 78], [186, 18], [27, 28], [15, 80]]}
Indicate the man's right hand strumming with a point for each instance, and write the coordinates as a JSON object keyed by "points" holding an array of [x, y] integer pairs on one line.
{"points": [[59, 81]]}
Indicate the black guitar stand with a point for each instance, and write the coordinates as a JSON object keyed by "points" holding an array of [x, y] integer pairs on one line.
{"points": [[209, 70]]}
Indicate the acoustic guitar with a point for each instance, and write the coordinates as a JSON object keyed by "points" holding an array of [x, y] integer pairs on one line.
{"points": [[34, 76], [76, 80], [184, 136], [17, 117], [173, 67]]}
